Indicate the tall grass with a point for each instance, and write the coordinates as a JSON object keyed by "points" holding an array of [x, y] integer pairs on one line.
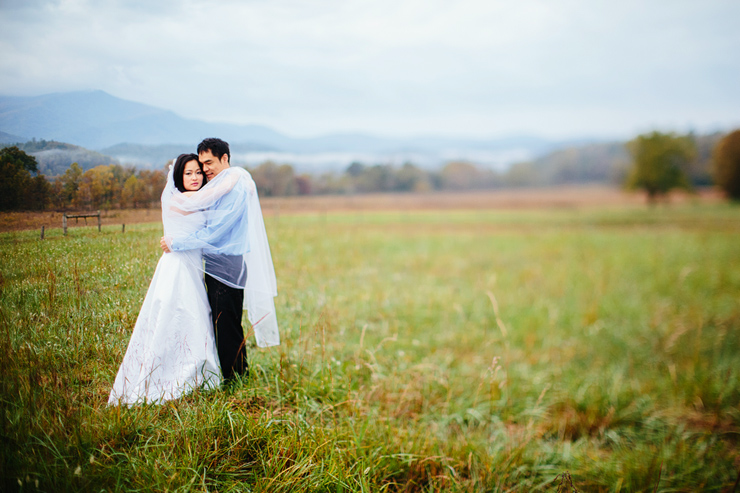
{"points": [[429, 351]]}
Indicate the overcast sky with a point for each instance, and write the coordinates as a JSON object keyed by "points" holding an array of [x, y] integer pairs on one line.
{"points": [[482, 68]]}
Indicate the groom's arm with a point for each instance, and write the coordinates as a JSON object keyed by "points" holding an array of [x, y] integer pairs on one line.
{"points": [[191, 201], [220, 231]]}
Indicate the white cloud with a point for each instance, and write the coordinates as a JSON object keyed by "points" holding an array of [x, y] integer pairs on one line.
{"points": [[558, 68]]}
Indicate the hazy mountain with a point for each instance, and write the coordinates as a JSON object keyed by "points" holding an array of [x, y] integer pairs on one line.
{"points": [[6, 138], [95, 119], [142, 155], [145, 135]]}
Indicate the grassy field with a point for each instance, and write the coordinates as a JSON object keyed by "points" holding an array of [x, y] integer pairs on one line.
{"points": [[423, 350]]}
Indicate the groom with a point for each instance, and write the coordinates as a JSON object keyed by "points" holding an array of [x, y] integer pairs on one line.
{"points": [[226, 274]]}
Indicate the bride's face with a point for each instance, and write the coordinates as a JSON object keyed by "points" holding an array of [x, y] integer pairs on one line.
{"points": [[192, 176]]}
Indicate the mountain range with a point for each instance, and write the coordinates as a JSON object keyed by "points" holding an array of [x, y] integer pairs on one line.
{"points": [[146, 136]]}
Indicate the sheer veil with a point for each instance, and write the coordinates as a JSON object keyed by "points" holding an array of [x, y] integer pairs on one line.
{"points": [[184, 214]]}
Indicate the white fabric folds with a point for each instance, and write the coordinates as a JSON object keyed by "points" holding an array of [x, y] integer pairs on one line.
{"points": [[235, 251], [172, 349]]}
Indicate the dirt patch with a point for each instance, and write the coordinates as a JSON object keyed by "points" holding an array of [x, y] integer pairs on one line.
{"points": [[16, 221]]}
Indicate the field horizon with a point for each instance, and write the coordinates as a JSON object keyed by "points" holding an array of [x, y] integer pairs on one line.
{"points": [[558, 197]]}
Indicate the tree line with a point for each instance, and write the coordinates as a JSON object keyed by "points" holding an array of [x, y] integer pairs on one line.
{"points": [[658, 162], [655, 163], [109, 186], [662, 162]]}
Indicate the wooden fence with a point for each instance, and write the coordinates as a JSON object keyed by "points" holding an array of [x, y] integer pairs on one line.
{"points": [[66, 216]]}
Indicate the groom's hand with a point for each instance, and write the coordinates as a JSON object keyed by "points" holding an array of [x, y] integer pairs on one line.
{"points": [[163, 244]]}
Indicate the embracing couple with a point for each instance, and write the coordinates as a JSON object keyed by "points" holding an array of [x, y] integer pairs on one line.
{"points": [[189, 332]]}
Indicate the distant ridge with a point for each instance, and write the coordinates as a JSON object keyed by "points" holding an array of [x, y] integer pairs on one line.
{"points": [[95, 119], [6, 138], [126, 129]]}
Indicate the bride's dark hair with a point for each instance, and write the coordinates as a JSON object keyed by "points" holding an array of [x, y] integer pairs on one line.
{"points": [[179, 169]]}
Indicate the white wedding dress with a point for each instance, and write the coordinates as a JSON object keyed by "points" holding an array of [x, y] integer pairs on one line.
{"points": [[172, 348]]}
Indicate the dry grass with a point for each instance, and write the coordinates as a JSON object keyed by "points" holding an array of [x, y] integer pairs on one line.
{"points": [[531, 198]]}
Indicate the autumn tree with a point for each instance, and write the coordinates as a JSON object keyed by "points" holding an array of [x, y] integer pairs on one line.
{"points": [[412, 179], [20, 190], [727, 164], [273, 179], [70, 184], [376, 178], [131, 193], [659, 163], [460, 175], [700, 172], [522, 174], [96, 188], [304, 184], [39, 193], [355, 169], [152, 183]]}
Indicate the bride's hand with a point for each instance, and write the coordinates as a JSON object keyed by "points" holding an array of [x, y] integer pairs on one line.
{"points": [[164, 245]]}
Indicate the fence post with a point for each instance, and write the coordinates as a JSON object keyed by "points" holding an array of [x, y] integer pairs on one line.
{"points": [[98, 221], [64, 223], [42, 232], [123, 228]]}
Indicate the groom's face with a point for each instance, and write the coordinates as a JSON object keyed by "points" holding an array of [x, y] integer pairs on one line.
{"points": [[211, 165]]}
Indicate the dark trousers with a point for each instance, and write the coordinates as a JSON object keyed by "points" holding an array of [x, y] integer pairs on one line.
{"points": [[226, 310]]}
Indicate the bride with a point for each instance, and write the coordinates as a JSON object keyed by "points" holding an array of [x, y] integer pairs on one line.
{"points": [[172, 348]]}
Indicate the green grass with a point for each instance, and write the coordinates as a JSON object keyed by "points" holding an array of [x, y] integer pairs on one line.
{"points": [[434, 351]]}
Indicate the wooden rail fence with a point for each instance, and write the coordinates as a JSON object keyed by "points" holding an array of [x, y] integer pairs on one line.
{"points": [[66, 216]]}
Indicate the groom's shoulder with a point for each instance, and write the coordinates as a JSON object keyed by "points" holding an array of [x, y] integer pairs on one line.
{"points": [[234, 175], [239, 173], [244, 178]]}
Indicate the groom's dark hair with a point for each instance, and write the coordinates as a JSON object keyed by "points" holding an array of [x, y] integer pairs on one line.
{"points": [[217, 147]]}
